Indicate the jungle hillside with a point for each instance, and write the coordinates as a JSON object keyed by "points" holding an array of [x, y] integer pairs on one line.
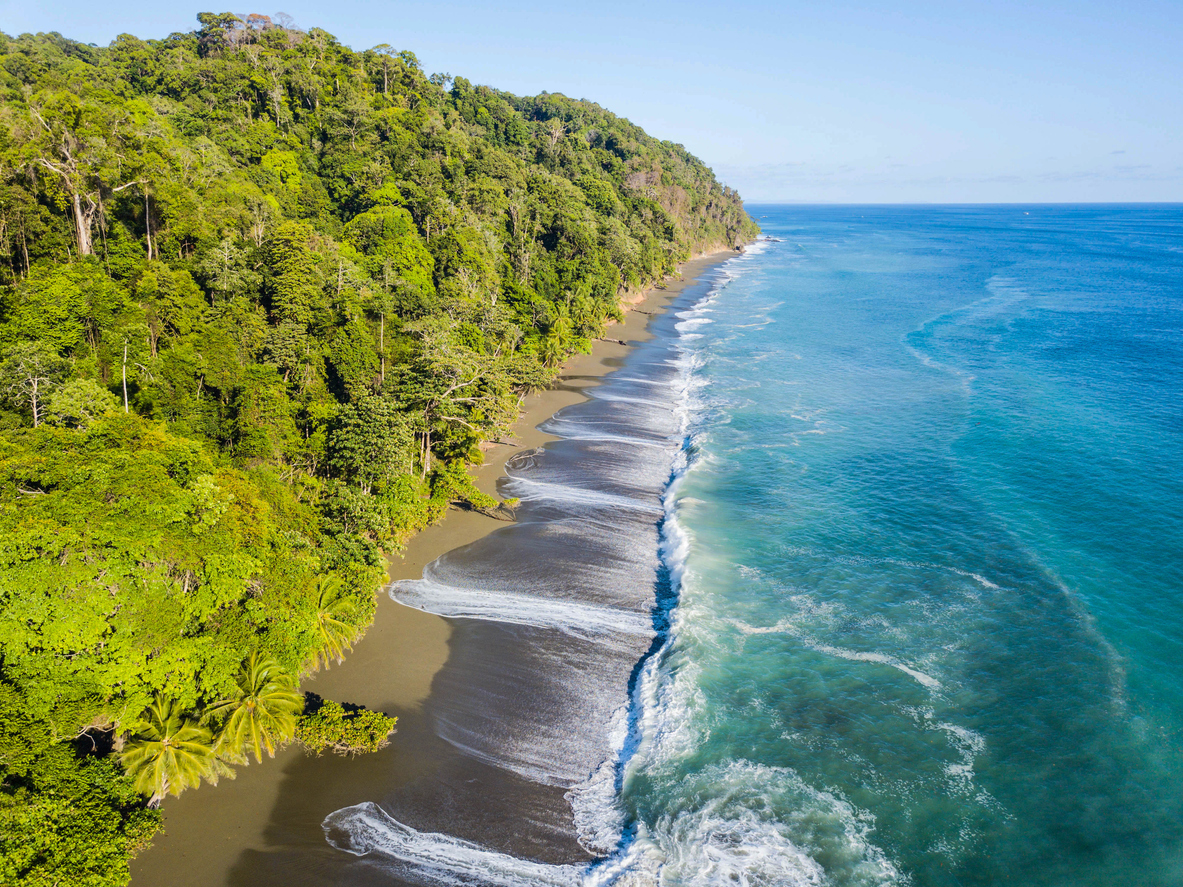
{"points": [[262, 297]]}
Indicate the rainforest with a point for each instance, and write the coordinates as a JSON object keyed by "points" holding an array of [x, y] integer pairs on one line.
{"points": [[262, 298]]}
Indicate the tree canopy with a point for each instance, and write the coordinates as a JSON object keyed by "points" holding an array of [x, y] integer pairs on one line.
{"points": [[261, 299]]}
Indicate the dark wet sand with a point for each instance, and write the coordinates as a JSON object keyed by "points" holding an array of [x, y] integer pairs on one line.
{"points": [[264, 827]]}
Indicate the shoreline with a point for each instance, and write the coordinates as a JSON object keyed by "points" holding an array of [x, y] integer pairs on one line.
{"points": [[208, 834]]}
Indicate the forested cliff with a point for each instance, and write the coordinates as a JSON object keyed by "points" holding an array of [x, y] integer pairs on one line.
{"points": [[261, 298]]}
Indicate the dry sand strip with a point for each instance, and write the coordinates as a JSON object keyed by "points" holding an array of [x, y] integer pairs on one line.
{"points": [[208, 830]]}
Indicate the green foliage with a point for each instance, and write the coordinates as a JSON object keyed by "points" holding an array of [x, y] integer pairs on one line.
{"points": [[261, 712], [79, 403], [28, 374], [71, 819], [370, 444], [452, 483], [65, 307], [330, 726], [394, 253], [168, 752], [335, 622], [261, 300], [132, 564]]}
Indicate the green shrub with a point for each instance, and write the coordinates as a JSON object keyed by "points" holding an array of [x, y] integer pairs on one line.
{"points": [[342, 729]]}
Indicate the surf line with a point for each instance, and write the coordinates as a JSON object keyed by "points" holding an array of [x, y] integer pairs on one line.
{"points": [[366, 828], [601, 823]]}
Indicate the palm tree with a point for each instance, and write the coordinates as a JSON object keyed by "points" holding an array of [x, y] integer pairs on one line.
{"points": [[169, 752], [333, 614], [261, 713], [557, 342]]}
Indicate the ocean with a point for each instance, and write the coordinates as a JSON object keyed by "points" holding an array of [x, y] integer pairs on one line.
{"points": [[865, 570]]}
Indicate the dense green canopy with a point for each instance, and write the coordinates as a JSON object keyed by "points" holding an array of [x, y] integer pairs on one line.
{"points": [[261, 299]]}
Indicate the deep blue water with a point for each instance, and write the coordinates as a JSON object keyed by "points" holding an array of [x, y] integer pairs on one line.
{"points": [[930, 543]]}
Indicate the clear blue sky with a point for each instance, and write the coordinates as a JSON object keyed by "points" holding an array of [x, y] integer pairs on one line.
{"points": [[820, 101]]}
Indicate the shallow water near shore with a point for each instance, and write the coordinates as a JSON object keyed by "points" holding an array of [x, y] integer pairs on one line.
{"points": [[900, 495]]}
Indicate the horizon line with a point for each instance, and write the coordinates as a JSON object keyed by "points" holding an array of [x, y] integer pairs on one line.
{"points": [[767, 202]]}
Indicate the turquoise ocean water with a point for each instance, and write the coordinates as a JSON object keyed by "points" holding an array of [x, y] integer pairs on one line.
{"points": [[867, 569], [930, 543]]}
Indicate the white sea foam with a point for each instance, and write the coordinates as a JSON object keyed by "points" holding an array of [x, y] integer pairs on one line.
{"points": [[741, 849], [636, 380], [609, 397], [366, 829], [981, 580], [572, 617], [533, 490], [573, 431], [742, 823], [921, 565], [786, 626], [599, 820], [528, 765], [749, 824], [742, 828], [969, 744], [882, 659]]}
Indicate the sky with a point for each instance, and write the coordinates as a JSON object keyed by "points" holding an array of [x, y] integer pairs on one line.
{"points": [[819, 102]]}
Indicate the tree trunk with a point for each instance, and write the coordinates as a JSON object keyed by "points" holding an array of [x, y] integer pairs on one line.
{"points": [[82, 227], [382, 343], [35, 400], [24, 248], [148, 224], [125, 409]]}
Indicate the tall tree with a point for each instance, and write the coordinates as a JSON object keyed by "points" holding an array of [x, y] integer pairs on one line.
{"points": [[334, 621], [169, 752], [27, 376], [261, 714], [84, 149]]}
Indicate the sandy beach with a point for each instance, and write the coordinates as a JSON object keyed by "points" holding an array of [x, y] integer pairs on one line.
{"points": [[230, 834]]}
